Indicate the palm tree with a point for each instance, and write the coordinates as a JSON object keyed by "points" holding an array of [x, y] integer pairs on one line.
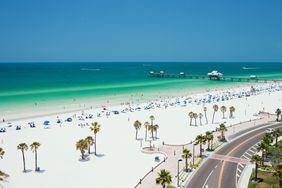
{"points": [[200, 117], [90, 141], [2, 152], [278, 173], [164, 178], [195, 116], [137, 125], [34, 147], [82, 145], [256, 159], [200, 139], [191, 117], [23, 147], [267, 139], [231, 111], [146, 125], [2, 176], [263, 147], [209, 137], [276, 133], [223, 110], [215, 109], [205, 111], [152, 118], [95, 127], [156, 127], [278, 113], [222, 129], [186, 154], [151, 128]]}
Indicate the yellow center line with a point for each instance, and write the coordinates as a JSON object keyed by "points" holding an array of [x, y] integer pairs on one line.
{"points": [[223, 164]]}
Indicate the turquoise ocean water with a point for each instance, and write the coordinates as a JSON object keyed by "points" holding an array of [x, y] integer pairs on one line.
{"points": [[27, 84]]}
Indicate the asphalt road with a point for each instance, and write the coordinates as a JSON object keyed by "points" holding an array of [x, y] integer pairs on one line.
{"points": [[222, 174]]}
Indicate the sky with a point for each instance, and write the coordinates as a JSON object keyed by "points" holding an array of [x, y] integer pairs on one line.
{"points": [[140, 30]]}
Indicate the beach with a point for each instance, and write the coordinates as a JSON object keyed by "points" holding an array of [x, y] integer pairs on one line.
{"points": [[120, 160]]}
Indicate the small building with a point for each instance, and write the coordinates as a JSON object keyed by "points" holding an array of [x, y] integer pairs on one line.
{"points": [[215, 74]]}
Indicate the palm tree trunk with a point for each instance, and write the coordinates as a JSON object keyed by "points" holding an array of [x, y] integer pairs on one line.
{"points": [[206, 117], [156, 133], [136, 134], [186, 164], [256, 172], [35, 160], [146, 134], [88, 148], [195, 122], [200, 150], [223, 115], [200, 121], [23, 161], [211, 144], [190, 121], [163, 185], [276, 139], [82, 154], [152, 134], [95, 145], [213, 116], [208, 145]]}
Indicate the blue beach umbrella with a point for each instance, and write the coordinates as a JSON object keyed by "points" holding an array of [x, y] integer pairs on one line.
{"points": [[69, 119], [46, 122]]}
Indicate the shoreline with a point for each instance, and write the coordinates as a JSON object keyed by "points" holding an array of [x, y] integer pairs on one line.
{"points": [[57, 108]]}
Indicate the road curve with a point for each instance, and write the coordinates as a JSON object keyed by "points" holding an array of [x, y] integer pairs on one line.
{"points": [[222, 174]]}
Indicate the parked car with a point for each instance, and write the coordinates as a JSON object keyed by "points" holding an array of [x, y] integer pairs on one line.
{"points": [[269, 131]]}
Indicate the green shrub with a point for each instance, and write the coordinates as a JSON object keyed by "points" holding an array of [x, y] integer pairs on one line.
{"points": [[196, 165], [170, 186]]}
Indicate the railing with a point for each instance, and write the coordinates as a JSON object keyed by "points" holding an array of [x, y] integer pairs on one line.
{"points": [[153, 168]]}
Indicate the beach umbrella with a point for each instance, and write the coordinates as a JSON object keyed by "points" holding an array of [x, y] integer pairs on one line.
{"points": [[46, 122], [69, 119]]}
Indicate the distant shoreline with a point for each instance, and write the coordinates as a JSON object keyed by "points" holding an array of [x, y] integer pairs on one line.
{"points": [[56, 108]]}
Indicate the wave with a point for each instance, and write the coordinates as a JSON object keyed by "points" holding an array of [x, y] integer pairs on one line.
{"points": [[88, 69], [250, 68]]}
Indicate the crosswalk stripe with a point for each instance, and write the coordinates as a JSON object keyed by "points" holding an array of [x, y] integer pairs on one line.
{"points": [[248, 154]]}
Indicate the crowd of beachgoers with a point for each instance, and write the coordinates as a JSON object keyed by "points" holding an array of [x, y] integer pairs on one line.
{"points": [[118, 149]]}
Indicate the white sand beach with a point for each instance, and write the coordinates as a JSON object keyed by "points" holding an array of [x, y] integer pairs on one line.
{"points": [[120, 162]]}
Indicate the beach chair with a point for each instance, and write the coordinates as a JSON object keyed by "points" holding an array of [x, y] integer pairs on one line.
{"points": [[18, 127]]}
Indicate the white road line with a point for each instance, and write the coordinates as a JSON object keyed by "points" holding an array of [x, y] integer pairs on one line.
{"points": [[207, 179], [238, 175], [239, 170], [245, 156], [251, 151], [241, 165], [248, 154]]}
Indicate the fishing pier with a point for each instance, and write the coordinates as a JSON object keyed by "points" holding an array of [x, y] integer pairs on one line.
{"points": [[214, 75]]}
